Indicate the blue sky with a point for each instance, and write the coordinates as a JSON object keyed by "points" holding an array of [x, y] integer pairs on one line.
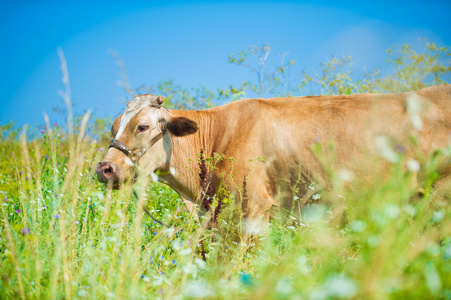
{"points": [[186, 41]]}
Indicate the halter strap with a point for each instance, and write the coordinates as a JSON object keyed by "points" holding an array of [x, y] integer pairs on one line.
{"points": [[129, 152], [121, 147]]}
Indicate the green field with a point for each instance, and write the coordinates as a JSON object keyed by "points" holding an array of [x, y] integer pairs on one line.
{"points": [[63, 235]]}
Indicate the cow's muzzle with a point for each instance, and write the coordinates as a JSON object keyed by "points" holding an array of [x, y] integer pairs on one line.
{"points": [[107, 172]]}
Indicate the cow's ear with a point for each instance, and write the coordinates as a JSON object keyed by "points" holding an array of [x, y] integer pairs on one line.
{"points": [[182, 126]]}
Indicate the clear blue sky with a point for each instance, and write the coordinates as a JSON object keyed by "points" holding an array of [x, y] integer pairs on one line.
{"points": [[186, 41]]}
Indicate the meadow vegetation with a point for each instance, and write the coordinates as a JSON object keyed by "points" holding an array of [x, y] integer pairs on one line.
{"points": [[63, 235]]}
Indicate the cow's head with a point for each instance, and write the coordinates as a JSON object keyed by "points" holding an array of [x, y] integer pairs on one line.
{"points": [[142, 137]]}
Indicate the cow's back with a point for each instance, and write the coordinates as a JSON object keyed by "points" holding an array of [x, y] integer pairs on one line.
{"points": [[351, 122]]}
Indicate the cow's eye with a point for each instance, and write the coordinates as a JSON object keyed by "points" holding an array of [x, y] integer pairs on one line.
{"points": [[142, 128]]}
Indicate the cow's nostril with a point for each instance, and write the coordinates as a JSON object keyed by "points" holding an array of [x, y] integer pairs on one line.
{"points": [[108, 170]]}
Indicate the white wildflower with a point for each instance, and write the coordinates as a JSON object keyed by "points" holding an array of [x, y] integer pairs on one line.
{"points": [[283, 287], [128, 161], [391, 211], [303, 266], [413, 165], [340, 286], [345, 175], [383, 144], [172, 170], [413, 104], [186, 251], [316, 196], [253, 226], [154, 177], [198, 289]]}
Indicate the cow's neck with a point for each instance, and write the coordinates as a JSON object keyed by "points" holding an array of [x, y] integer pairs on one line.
{"points": [[185, 151]]}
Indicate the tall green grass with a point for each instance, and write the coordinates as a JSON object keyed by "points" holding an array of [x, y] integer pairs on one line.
{"points": [[63, 235]]}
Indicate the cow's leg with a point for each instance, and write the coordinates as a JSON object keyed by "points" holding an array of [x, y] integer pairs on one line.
{"points": [[285, 198], [189, 204], [275, 202], [260, 203]]}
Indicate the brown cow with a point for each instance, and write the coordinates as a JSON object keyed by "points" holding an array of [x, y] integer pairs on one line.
{"points": [[282, 131]]}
